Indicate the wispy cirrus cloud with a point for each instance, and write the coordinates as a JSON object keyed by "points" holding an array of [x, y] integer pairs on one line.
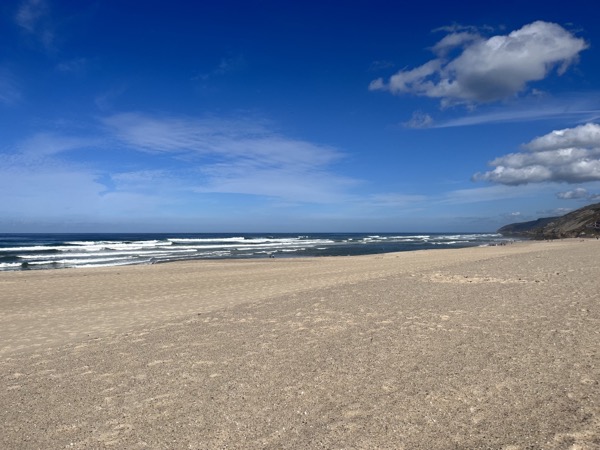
{"points": [[43, 180], [46, 144], [9, 92], [76, 65], [395, 200], [418, 120], [33, 16], [238, 156], [490, 193], [33, 187], [30, 13], [226, 66], [487, 69], [573, 107]]}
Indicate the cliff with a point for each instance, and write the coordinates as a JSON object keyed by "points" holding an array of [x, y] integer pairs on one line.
{"points": [[582, 222]]}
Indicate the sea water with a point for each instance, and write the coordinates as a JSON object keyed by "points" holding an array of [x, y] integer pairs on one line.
{"points": [[55, 251]]}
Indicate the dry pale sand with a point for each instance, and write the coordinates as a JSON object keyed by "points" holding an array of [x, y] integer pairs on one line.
{"points": [[478, 348]]}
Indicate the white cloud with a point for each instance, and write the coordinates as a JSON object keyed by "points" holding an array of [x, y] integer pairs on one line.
{"points": [[30, 189], [573, 194], [33, 17], [419, 119], [226, 66], [283, 182], [587, 135], [570, 155], [578, 194], [570, 106], [453, 41], [235, 156], [395, 200], [30, 13], [488, 69], [105, 100], [9, 92], [380, 65], [221, 138], [49, 191], [140, 178], [46, 144], [491, 193], [72, 66], [556, 212]]}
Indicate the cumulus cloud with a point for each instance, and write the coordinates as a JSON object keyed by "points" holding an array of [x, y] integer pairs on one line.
{"points": [[454, 40], [587, 135], [573, 194], [236, 156], [487, 69], [571, 156], [578, 194]]}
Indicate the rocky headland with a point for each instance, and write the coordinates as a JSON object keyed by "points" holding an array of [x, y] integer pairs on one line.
{"points": [[583, 222]]}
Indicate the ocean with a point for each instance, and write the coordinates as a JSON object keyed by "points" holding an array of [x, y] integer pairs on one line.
{"points": [[57, 251]]}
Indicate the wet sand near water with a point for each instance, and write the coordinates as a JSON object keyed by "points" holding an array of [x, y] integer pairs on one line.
{"points": [[494, 347]]}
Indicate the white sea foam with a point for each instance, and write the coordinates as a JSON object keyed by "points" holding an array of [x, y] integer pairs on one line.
{"points": [[79, 261], [111, 252], [108, 253], [187, 240], [89, 246], [128, 263], [33, 248]]}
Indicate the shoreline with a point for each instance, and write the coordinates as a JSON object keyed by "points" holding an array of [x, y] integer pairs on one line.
{"points": [[102, 250], [127, 290], [480, 347]]}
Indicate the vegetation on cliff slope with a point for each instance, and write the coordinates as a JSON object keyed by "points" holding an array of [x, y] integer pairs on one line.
{"points": [[582, 222]]}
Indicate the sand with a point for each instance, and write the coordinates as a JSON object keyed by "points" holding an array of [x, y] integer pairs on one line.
{"points": [[481, 348]]}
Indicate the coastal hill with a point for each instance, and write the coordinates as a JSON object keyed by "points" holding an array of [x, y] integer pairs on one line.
{"points": [[582, 222]]}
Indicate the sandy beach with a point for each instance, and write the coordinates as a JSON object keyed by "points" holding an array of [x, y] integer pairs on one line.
{"points": [[480, 348]]}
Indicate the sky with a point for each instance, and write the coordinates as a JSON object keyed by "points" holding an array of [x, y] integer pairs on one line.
{"points": [[285, 116]]}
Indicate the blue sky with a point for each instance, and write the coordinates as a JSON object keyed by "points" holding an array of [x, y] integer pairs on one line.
{"points": [[295, 116]]}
